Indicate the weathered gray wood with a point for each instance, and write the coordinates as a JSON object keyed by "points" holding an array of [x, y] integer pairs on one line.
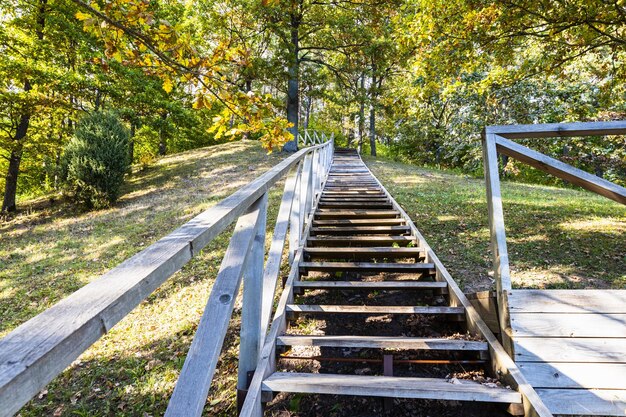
{"points": [[360, 230], [195, 378], [359, 241], [416, 343], [252, 406], [575, 375], [254, 300], [365, 252], [38, 350], [385, 386], [307, 197], [348, 309], [568, 301], [275, 254], [355, 214], [366, 266], [602, 325], [359, 222], [548, 349], [485, 303], [584, 402], [550, 130], [377, 285], [499, 252], [295, 226], [561, 170]]}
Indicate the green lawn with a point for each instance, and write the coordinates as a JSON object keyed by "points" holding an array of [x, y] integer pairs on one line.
{"points": [[48, 252], [557, 237]]}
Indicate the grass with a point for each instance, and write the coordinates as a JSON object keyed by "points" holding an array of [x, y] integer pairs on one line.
{"points": [[557, 237], [49, 251]]}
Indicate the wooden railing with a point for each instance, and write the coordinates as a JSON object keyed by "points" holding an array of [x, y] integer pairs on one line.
{"points": [[37, 351], [310, 137], [496, 139]]}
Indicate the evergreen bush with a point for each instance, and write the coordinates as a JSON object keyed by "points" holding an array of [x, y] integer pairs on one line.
{"points": [[96, 159]]}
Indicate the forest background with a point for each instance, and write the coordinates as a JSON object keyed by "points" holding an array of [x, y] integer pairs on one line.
{"points": [[414, 80]]}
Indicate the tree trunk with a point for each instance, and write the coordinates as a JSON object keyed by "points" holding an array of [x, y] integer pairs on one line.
{"points": [[373, 113], [10, 186], [293, 85], [361, 115], [162, 136]]}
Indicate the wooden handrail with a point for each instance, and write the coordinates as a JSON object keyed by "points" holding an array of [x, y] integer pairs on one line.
{"points": [[37, 351]]}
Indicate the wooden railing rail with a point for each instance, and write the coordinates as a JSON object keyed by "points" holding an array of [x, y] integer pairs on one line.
{"points": [[33, 354], [310, 137], [495, 140]]}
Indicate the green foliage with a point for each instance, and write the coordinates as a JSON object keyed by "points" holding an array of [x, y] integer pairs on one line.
{"points": [[96, 159]]}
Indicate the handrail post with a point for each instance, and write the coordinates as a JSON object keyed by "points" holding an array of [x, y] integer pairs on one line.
{"points": [[295, 226], [250, 333], [305, 190]]}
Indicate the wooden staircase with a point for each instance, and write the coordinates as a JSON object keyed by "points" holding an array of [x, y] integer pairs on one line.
{"points": [[359, 241]]}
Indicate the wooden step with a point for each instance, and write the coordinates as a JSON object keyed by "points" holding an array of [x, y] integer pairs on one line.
{"points": [[359, 241], [360, 230], [346, 199], [359, 222], [356, 214], [383, 342], [348, 309], [365, 266], [442, 287], [387, 386], [355, 204], [363, 253]]}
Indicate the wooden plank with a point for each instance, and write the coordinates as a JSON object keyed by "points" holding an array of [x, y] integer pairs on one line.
{"points": [[359, 222], [416, 343], [38, 350], [295, 225], [562, 170], [378, 285], [575, 375], [347, 309], [601, 325], [358, 204], [551, 130], [570, 349], [365, 266], [360, 230], [254, 300], [359, 241], [192, 387], [363, 253], [355, 214], [275, 254], [583, 402], [568, 301], [385, 386], [486, 305]]}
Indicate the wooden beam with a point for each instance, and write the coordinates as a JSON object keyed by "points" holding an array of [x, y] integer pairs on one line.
{"points": [[550, 130], [561, 170], [195, 378]]}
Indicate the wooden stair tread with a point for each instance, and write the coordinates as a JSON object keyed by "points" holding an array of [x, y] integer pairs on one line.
{"points": [[360, 222], [382, 285], [417, 343], [360, 240], [365, 266], [360, 230], [364, 252], [387, 386], [361, 309]]}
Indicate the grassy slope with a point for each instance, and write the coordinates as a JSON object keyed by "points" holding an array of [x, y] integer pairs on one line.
{"points": [[47, 254], [557, 238]]}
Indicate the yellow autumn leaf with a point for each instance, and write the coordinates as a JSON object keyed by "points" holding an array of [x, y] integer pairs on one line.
{"points": [[167, 85], [82, 16]]}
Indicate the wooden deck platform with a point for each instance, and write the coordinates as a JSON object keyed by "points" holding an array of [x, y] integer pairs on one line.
{"points": [[571, 346]]}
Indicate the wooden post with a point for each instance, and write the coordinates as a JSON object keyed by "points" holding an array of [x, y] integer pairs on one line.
{"points": [[306, 200], [250, 333], [499, 251], [195, 378], [295, 226]]}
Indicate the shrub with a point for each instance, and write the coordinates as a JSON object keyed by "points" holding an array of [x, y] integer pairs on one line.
{"points": [[96, 159]]}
